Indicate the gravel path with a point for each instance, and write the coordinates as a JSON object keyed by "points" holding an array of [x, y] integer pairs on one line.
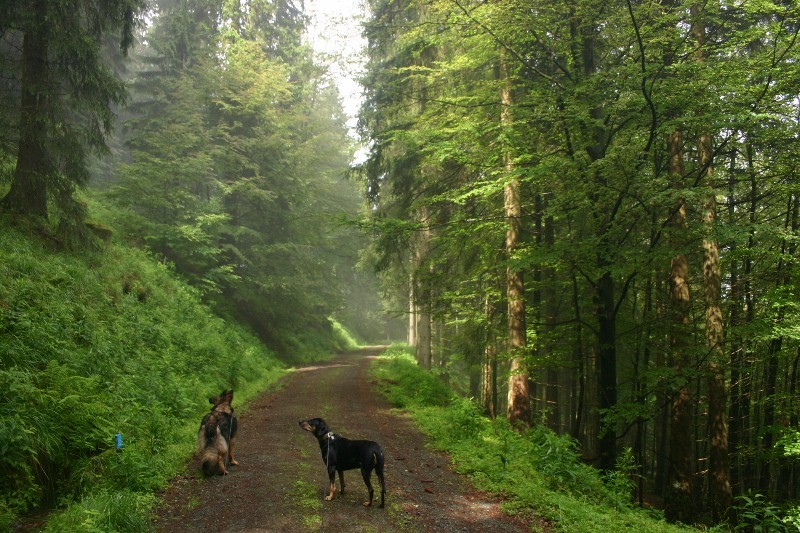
{"points": [[280, 481]]}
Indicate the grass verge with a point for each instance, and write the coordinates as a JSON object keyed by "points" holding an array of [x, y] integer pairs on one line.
{"points": [[536, 472]]}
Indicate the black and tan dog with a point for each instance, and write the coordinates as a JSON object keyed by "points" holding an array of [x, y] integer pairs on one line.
{"points": [[342, 454], [215, 440]]}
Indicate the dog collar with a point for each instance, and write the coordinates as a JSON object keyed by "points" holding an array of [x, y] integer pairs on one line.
{"points": [[329, 435]]}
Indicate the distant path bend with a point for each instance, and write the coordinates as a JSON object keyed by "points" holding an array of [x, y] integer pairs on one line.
{"points": [[280, 481]]}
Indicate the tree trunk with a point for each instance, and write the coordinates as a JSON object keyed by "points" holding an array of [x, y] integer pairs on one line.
{"points": [[789, 471], [489, 382], [749, 408], [604, 287], [412, 313], [661, 423], [769, 471], [736, 300], [555, 400], [640, 385], [422, 293], [679, 505], [519, 409], [28, 192], [580, 373], [790, 477], [607, 362], [719, 481], [424, 339]]}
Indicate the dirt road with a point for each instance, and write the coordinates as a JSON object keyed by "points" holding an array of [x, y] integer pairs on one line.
{"points": [[280, 481]]}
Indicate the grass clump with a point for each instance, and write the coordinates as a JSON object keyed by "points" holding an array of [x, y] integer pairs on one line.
{"points": [[537, 472], [343, 338], [103, 511]]}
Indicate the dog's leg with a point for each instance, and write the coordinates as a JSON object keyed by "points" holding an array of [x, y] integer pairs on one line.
{"points": [[221, 462], [366, 473], [222, 452], [341, 479], [332, 477], [234, 462], [379, 473]]}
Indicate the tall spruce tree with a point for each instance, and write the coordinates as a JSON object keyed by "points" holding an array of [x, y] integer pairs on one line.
{"points": [[66, 93]]}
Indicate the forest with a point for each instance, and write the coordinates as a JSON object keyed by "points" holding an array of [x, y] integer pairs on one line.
{"points": [[594, 209], [583, 215]]}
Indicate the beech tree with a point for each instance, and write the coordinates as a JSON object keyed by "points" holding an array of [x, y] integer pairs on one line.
{"points": [[718, 463], [519, 410]]}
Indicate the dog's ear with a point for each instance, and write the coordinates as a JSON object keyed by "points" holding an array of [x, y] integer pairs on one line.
{"points": [[320, 427], [228, 396]]}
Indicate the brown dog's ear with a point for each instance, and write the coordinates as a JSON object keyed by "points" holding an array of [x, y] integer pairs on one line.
{"points": [[216, 400]]}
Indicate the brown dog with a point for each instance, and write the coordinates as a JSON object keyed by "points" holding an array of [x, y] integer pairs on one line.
{"points": [[216, 437]]}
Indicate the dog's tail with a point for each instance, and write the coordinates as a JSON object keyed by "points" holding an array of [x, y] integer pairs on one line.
{"points": [[378, 461], [211, 446]]}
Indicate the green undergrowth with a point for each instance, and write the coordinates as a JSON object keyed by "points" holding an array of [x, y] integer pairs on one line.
{"points": [[95, 345], [345, 341], [537, 472]]}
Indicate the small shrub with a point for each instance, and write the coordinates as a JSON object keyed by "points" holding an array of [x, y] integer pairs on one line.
{"points": [[465, 416], [790, 441], [557, 458], [620, 482], [754, 514], [792, 519], [61, 424], [7, 517]]}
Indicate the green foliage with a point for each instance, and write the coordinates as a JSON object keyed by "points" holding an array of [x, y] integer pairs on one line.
{"points": [[621, 481], [755, 514], [537, 471], [792, 518], [61, 424], [558, 460], [7, 517], [123, 511], [791, 443], [596, 88], [405, 384], [98, 345], [344, 339]]}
